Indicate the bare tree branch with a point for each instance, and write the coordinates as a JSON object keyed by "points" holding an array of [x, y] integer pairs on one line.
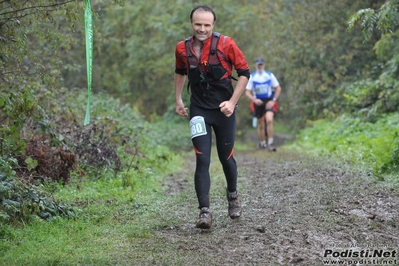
{"points": [[13, 13], [35, 7]]}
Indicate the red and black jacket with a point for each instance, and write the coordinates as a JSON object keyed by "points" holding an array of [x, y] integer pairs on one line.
{"points": [[210, 74]]}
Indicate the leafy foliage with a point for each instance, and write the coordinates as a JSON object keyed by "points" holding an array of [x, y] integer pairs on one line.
{"points": [[19, 202], [134, 54], [21, 30], [385, 19], [29, 75], [371, 145], [369, 99], [379, 95], [117, 144], [315, 55]]}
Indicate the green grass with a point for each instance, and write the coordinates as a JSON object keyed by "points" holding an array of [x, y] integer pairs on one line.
{"points": [[110, 215], [92, 240], [371, 146], [281, 127]]}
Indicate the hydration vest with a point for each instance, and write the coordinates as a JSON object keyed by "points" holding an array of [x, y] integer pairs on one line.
{"points": [[213, 70]]}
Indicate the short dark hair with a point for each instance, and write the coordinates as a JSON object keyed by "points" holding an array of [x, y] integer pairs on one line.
{"points": [[205, 8]]}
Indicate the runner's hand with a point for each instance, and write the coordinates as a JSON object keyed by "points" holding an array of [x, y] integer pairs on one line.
{"points": [[180, 109], [258, 102], [227, 108]]}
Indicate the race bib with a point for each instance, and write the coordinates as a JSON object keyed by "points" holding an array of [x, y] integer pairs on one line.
{"points": [[197, 126], [262, 89]]}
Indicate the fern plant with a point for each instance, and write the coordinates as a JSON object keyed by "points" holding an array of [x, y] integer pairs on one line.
{"points": [[384, 19]]}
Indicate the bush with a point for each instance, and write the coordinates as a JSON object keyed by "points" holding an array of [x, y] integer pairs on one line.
{"points": [[19, 202]]}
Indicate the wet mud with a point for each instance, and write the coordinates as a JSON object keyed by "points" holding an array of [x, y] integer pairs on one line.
{"points": [[297, 210]]}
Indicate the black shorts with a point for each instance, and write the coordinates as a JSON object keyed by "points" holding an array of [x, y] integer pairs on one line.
{"points": [[260, 110]]}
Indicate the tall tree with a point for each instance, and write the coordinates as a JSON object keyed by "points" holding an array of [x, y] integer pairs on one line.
{"points": [[369, 97]]}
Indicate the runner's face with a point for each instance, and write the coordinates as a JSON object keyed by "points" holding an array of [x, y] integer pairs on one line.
{"points": [[202, 24], [260, 67]]}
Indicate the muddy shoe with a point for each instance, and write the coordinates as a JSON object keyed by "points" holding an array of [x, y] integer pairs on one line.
{"points": [[271, 148], [262, 146], [234, 205], [204, 219]]}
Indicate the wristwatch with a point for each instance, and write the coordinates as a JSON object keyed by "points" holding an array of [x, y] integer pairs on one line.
{"points": [[274, 100]]}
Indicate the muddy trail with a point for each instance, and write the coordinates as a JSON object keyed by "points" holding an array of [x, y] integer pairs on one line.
{"points": [[297, 210]]}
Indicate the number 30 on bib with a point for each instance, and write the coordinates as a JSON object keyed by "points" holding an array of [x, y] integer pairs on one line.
{"points": [[197, 126]]}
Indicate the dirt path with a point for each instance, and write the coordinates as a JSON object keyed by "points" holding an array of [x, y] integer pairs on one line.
{"points": [[296, 211]]}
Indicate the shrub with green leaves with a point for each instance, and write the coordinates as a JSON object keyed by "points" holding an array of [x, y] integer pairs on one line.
{"points": [[19, 202]]}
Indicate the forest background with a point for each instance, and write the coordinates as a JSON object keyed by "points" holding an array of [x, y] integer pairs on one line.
{"points": [[337, 62]]}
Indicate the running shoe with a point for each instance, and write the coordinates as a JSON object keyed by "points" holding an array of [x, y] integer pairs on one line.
{"points": [[234, 205], [262, 145], [204, 219], [271, 148]]}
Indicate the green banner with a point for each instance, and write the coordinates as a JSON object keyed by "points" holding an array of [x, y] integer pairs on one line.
{"points": [[89, 56]]}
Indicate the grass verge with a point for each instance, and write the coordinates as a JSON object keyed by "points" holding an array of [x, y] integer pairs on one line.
{"points": [[374, 147], [113, 218]]}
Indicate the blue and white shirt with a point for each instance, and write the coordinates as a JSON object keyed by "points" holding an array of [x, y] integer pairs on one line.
{"points": [[262, 84]]}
